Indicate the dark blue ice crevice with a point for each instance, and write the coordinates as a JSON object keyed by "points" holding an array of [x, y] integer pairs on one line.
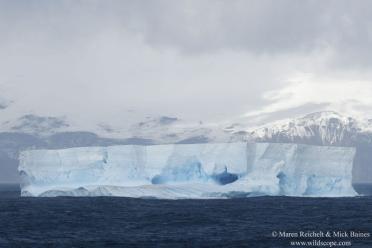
{"points": [[105, 156], [225, 177], [192, 170], [284, 183]]}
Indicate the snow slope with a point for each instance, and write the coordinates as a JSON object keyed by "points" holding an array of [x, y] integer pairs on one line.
{"points": [[321, 128], [189, 171]]}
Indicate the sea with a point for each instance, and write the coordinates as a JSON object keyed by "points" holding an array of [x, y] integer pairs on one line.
{"points": [[240, 222]]}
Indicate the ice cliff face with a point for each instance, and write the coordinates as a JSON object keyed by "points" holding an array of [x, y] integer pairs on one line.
{"points": [[189, 171]]}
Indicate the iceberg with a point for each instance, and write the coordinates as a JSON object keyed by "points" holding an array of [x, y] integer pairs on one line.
{"points": [[175, 171]]}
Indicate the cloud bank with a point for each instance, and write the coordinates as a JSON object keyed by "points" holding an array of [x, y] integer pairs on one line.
{"points": [[114, 61]]}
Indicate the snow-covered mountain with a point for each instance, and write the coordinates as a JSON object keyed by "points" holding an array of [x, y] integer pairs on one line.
{"points": [[151, 129], [321, 128]]}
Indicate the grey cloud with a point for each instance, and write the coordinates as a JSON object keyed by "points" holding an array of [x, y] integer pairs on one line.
{"points": [[256, 26], [262, 27], [206, 58], [194, 27], [292, 112]]}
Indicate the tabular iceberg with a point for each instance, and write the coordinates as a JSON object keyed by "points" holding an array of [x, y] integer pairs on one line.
{"points": [[175, 171]]}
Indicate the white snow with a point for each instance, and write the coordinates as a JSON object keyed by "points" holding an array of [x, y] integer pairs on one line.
{"points": [[330, 127], [213, 170]]}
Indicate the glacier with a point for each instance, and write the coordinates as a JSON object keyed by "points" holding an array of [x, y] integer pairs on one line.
{"points": [[176, 171]]}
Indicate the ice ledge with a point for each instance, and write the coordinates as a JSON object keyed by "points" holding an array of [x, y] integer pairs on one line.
{"points": [[219, 170]]}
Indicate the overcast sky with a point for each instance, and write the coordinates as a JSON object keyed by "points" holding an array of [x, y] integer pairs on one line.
{"points": [[208, 60]]}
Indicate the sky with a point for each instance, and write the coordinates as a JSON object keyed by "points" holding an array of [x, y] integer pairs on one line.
{"points": [[111, 61]]}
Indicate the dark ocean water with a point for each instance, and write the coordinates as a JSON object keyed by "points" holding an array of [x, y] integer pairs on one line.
{"points": [[125, 222]]}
